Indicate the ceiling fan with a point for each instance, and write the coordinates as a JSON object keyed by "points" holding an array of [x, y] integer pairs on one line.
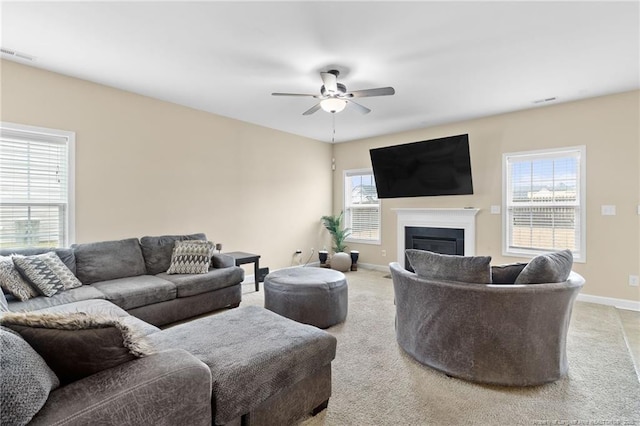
{"points": [[334, 96]]}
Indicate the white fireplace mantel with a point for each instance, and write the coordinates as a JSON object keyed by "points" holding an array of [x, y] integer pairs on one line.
{"points": [[456, 218]]}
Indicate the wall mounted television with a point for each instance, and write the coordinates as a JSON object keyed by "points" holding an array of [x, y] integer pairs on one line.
{"points": [[421, 169]]}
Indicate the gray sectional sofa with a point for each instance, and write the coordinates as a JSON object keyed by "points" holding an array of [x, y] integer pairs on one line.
{"points": [[131, 274], [244, 366]]}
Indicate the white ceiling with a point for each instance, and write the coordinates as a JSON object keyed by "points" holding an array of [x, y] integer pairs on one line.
{"points": [[448, 61]]}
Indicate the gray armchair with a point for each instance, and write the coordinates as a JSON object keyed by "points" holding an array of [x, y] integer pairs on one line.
{"points": [[512, 335]]}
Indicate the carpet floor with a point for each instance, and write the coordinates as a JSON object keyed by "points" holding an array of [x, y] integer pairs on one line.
{"points": [[376, 383]]}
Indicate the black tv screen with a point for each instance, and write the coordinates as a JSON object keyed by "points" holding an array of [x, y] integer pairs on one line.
{"points": [[427, 168]]}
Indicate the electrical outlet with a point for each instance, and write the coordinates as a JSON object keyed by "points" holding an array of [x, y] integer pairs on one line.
{"points": [[634, 280], [384, 253], [495, 209]]}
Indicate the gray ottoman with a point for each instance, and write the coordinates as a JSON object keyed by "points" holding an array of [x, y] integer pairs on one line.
{"points": [[315, 296]]}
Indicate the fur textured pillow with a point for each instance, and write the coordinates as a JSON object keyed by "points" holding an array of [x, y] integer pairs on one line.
{"points": [[46, 272], [12, 281], [191, 257], [547, 268], [76, 345], [467, 269], [25, 380]]}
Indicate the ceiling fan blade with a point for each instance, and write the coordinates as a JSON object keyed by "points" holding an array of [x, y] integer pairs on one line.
{"points": [[312, 109], [292, 94], [361, 109], [380, 91], [330, 81]]}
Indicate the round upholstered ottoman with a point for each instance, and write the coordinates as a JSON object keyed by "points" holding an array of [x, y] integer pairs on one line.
{"points": [[315, 296]]}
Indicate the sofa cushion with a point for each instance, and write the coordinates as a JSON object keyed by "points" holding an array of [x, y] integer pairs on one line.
{"points": [[547, 268], [190, 257], [67, 255], [46, 272], [77, 345], [84, 292], [506, 274], [25, 380], [157, 250], [105, 308], [108, 260], [214, 279], [12, 281], [137, 291], [253, 354], [468, 269]]}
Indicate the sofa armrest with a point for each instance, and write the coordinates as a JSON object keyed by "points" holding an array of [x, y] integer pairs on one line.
{"points": [[167, 388], [222, 261]]}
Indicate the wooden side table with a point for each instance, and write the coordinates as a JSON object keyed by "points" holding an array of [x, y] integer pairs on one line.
{"points": [[242, 258]]}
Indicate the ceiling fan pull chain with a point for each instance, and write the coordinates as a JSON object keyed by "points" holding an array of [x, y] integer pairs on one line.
{"points": [[333, 135]]}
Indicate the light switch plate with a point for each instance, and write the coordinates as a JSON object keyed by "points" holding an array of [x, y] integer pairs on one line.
{"points": [[495, 209], [608, 210]]}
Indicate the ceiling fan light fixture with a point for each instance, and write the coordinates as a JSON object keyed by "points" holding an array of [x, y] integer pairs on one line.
{"points": [[333, 105]]}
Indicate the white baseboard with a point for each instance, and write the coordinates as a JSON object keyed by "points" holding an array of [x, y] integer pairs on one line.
{"points": [[630, 305], [380, 268]]}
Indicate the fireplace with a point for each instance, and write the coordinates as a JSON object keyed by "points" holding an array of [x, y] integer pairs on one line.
{"points": [[438, 240], [447, 231]]}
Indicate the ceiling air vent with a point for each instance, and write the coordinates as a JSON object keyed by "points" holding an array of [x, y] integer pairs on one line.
{"points": [[542, 101], [17, 55]]}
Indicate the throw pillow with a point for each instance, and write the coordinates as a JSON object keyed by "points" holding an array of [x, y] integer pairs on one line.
{"points": [[77, 345], [157, 250], [191, 257], [46, 272], [547, 268], [506, 274], [12, 282], [468, 269], [25, 380], [4, 306]]}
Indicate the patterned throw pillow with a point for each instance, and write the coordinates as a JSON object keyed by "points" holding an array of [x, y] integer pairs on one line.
{"points": [[191, 257], [25, 380], [91, 343], [46, 272], [12, 282]]}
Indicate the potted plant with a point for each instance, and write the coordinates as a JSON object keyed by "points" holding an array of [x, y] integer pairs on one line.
{"points": [[340, 261], [339, 234]]}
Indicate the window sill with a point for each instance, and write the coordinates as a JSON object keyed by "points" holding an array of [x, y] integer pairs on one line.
{"points": [[372, 242]]}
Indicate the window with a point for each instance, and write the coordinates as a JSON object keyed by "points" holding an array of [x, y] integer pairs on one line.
{"points": [[543, 202], [362, 206], [36, 186]]}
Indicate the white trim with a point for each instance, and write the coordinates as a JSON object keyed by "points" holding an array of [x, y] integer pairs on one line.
{"points": [[547, 153], [630, 305], [455, 218]]}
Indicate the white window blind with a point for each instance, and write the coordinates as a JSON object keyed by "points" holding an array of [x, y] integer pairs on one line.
{"points": [[544, 202], [35, 182], [362, 206]]}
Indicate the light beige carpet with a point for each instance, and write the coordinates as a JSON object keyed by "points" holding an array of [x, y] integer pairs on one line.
{"points": [[376, 383]]}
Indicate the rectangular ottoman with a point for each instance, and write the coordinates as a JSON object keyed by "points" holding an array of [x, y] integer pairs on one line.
{"points": [[266, 369]]}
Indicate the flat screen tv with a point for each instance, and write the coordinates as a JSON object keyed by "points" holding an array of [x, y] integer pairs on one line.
{"points": [[427, 168]]}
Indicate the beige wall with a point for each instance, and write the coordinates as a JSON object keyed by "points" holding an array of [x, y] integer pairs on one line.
{"points": [[608, 126], [147, 167]]}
